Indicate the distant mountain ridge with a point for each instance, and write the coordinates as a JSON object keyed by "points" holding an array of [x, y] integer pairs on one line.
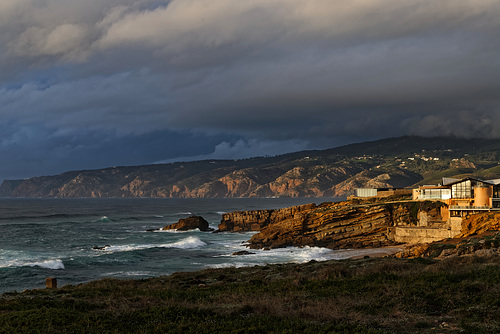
{"points": [[393, 162]]}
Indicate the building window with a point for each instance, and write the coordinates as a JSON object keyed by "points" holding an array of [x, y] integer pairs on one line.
{"points": [[435, 194], [496, 191], [462, 189]]}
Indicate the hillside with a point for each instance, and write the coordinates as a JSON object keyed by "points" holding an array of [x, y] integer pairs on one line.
{"points": [[394, 162]]}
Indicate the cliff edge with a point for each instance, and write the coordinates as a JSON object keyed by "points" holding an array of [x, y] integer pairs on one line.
{"points": [[479, 236], [338, 225]]}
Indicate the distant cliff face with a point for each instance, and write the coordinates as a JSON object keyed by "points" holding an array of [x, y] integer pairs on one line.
{"points": [[395, 162], [189, 182]]}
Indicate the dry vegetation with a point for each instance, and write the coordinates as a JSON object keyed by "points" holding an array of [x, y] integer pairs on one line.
{"points": [[458, 294]]}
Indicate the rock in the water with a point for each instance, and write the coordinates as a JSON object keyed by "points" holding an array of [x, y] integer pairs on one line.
{"points": [[243, 252], [191, 223], [101, 247]]}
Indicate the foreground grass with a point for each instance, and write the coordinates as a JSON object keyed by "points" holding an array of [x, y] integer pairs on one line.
{"points": [[458, 294]]}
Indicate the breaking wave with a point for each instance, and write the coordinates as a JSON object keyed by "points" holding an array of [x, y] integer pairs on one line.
{"points": [[190, 242], [230, 265], [176, 231], [48, 264], [187, 243], [54, 264]]}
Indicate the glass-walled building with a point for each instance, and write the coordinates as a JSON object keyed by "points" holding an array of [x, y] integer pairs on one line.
{"points": [[462, 189], [435, 193], [463, 194]]}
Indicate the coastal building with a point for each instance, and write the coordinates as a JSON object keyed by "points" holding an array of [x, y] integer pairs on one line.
{"points": [[460, 198], [381, 192], [454, 199], [463, 195]]}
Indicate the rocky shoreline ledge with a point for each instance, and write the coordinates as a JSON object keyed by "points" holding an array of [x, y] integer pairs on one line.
{"points": [[334, 225], [352, 224], [361, 225]]}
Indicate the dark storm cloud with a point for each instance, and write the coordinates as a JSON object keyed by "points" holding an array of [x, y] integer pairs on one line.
{"points": [[238, 78], [40, 151]]}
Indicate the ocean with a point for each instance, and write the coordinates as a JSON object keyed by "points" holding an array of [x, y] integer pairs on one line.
{"points": [[42, 238]]}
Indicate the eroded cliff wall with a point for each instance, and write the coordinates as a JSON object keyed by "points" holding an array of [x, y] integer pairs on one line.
{"points": [[333, 225], [256, 220]]}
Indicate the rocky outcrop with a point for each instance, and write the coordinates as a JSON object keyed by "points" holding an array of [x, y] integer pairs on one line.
{"points": [[191, 223], [245, 221], [480, 223], [243, 252], [486, 244], [256, 220], [332, 225], [479, 236], [462, 163], [374, 179]]}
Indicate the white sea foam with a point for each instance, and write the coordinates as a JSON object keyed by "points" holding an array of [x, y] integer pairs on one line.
{"points": [[221, 212], [184, 213], [15, 258], [280, 255], [48, 264], [176, 231], [304, 254], [187, 243], [9, 263], [230, 265]]}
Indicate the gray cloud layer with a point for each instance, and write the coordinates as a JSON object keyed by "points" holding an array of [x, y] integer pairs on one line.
{"points": [[232, 77]]}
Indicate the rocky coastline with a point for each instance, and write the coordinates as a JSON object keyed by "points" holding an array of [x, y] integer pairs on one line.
{"points": [[480, 236], [364, 295], [352, 224], [335, 225], [357, 224]]}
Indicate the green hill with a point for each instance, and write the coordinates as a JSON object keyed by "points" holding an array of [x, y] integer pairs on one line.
{"points": [[392, 162]]}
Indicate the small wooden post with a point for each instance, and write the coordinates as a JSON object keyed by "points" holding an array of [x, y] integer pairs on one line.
{"points": [[51, 283]]}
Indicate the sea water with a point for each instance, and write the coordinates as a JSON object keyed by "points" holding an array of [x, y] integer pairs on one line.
{"points": [[42, 238]]}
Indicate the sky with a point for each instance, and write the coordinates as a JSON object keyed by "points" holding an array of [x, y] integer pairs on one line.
{"points": [[99, 83]]}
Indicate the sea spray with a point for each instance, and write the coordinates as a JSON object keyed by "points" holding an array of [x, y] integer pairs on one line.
{"points": [[48, 264], [54, 264], [41, 235], [175, 231], [189, 242]]}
